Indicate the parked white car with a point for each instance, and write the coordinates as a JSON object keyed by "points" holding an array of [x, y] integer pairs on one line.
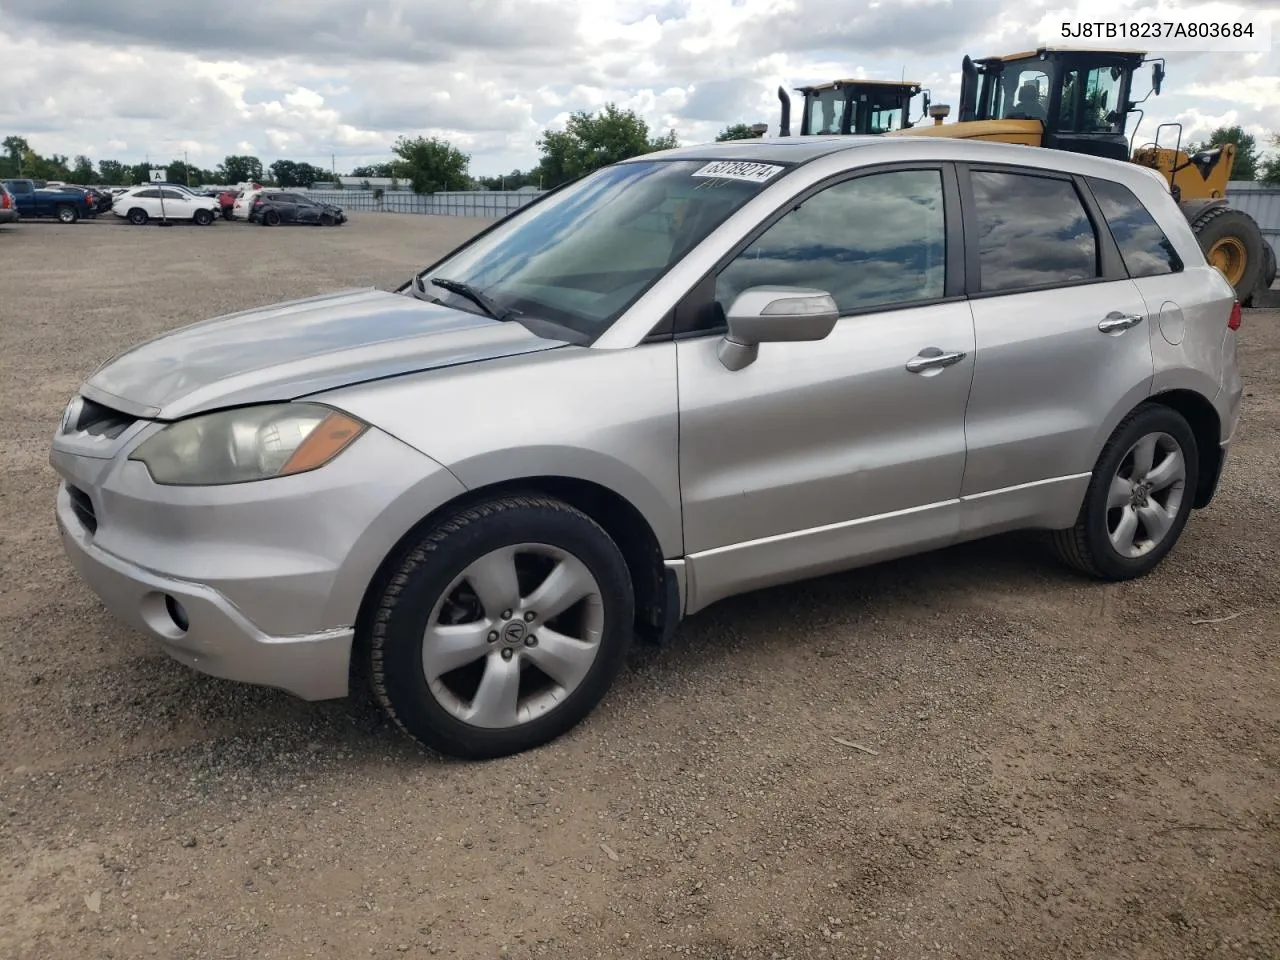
{"points": [[244, 202], [145, 203]]}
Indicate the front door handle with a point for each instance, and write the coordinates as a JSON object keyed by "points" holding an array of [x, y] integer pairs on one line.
{"points": [[1116, 321], [931, 358]]}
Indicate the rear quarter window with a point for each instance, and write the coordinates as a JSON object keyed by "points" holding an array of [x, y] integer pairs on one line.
{"points": [[1145, 249]]}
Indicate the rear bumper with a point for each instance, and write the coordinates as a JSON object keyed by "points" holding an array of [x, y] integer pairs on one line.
{"points": [[8, 216]]}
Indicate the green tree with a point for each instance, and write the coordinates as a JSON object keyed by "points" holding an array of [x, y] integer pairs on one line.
{"points": [[374, 170], [240, 169], [1269, 172], [1245, 166], [290, 173], [16, 150], [590, 142], [113, 173], [431, 165], [737, 131], [82, 171]]}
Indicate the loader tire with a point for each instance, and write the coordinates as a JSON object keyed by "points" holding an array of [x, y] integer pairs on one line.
{"points": [[1232, 242]]}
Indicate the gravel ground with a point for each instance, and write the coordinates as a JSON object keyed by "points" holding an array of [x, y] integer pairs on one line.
{"points": [[1045, 767]]}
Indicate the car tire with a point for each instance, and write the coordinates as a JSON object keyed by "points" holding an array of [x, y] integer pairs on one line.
{"points": [[138, 216], [441, 697], [67, 213], [1133, 513], [270, 219], [203, 217]]}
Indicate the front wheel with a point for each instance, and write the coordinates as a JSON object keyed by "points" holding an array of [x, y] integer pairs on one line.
{"points": [[501, 628], [326, 220], [203, 217], [1138, 500]]}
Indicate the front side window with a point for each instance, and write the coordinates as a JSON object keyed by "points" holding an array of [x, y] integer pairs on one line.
{"points": [[872, 241], [582, 255], [1145, 249], [884, 120], [1032, 231]]}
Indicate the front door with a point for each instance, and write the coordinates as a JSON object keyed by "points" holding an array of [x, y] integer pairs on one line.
{"points": [[821, 455], [1063, 336]]}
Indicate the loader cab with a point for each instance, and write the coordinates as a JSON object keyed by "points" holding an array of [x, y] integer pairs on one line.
{"points": [[1081, 97], [845, 107]]}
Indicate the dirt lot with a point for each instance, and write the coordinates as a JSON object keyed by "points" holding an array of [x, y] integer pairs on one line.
{"points": [[1053, 768]]}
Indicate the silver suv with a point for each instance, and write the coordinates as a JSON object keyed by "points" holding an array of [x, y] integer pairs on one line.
{"points": [[686, 376]]}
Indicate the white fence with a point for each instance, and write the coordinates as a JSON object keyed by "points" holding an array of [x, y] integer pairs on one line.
{"points": [[471, 203], [1262, 202]]}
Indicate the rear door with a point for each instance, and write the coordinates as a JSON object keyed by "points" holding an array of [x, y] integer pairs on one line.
{"points": [[1062, 342]]}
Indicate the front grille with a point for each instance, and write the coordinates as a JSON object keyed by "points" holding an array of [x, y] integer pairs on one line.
{"points": [[83, 508], [99, 421]]}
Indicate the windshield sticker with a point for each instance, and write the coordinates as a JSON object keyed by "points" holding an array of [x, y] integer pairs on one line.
{"points": [[739, 170]]}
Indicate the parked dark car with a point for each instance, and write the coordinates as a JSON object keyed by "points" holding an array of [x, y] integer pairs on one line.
{"points": [[8, 206], [273, 208], [67, 204]]}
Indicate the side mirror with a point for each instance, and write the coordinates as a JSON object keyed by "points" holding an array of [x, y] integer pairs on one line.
{"points": [[775, 315], [1157, 77]]}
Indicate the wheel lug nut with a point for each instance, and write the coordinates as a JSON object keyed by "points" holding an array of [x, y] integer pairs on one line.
{"points": [[507, 654], [531, 641], [528, 617], [506, 614], [493, 636]]}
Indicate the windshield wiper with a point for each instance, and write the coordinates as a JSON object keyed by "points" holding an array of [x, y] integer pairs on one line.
{"points": [[475, 296]]}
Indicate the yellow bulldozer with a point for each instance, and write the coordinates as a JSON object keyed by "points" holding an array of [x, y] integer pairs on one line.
{"points": [[1077, 100]]}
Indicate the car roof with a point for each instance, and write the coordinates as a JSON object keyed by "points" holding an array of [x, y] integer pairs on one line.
{"points": [[894, 149]]}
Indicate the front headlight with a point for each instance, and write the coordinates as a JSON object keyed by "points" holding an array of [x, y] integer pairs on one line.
{"points": [[251, 443]]}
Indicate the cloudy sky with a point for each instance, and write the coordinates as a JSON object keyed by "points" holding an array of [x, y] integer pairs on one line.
{"points": [[307, 79]]}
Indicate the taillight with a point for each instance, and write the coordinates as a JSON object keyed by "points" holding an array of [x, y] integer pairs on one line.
{"points": [[4, 201], [1236, 317]]}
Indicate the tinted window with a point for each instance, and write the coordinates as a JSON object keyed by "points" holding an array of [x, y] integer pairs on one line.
{"points": [[1146, 250], [879, 239], [148, 194], [174, 195], [1031, 231]]}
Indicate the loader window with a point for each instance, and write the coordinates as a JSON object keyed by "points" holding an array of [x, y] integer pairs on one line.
{"points": [[1032, 232], [1101, 98], [1021, 95], [826, 109], [1145, 249], [872, 241]]}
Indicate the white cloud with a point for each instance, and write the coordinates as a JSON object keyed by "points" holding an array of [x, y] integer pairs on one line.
{"points": [[305, 81]]}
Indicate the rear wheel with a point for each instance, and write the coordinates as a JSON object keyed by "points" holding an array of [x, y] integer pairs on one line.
{"points": [[501, 628], [1138, 500], [1232, 242], [138, 216], [67, 214], [270, 218]]}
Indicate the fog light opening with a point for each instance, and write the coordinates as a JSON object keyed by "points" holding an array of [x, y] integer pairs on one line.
{"points": [[177, 612]]}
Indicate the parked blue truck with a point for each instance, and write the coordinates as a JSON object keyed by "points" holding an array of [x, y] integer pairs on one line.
{"points": [[66, 204]]}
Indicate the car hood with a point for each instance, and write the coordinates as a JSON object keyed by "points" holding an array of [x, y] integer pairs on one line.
{"points": [[289, 350]]}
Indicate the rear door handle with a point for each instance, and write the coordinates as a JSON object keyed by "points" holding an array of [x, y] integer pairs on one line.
{"points": [[1115, 321], [931, 358]]}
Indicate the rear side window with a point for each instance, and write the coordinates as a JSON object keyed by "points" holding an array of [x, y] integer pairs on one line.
{"points": [[1144, 247], [1032, 232]]}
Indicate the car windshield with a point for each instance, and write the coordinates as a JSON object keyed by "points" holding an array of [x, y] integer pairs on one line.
{"points": [[585, 253]]}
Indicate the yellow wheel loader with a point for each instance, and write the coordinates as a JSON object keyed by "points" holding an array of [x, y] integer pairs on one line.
{"points": [[853, 106], [1079, 100]]}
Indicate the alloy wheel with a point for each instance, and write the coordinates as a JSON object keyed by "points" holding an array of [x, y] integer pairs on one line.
{"points": [[1146, 494]]}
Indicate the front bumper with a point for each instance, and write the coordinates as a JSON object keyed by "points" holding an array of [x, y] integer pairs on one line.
{"points": [[257, 582], [200, 627]]}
